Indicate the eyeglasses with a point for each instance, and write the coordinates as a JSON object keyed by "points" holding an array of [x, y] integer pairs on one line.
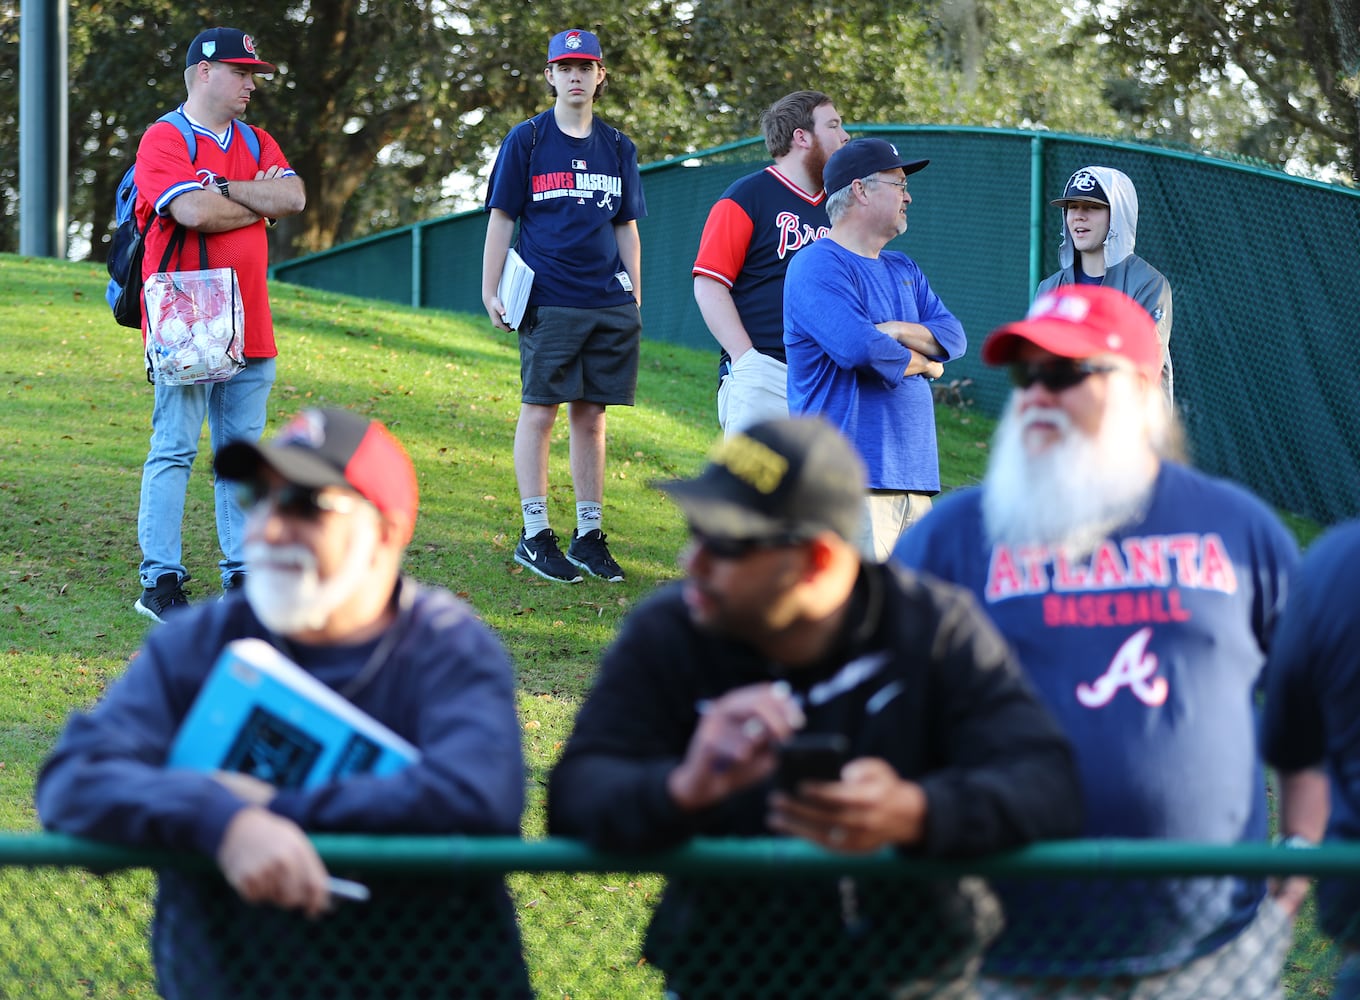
{"points": [[305, 503], [1055, 376], [900, 185], [738, 548]]}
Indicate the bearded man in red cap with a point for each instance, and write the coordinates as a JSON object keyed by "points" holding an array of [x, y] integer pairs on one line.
{"points": [[1141, 597], [331, 504]]}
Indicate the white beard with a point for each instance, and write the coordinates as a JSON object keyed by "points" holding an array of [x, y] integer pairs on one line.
{"points": [[1074, 492], [285, 590]]}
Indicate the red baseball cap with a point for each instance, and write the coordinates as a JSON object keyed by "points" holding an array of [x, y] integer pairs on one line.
{"points": [[332, 447], [1080, 321]]}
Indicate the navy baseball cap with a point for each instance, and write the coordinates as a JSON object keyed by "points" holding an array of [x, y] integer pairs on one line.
{"points": [[574, 44], [226, 45], [864, 158], [779, 479], [1082, 188]]}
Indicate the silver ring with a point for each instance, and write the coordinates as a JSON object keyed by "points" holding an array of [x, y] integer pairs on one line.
{"points": [[836, 835], [753, 729]]}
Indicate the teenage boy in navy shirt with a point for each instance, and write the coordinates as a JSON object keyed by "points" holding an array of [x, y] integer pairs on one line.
{"points": [[572, 184]]}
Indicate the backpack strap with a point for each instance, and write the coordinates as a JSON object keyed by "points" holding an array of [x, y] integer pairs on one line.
{"points": [[252, 137], [180, 120]]}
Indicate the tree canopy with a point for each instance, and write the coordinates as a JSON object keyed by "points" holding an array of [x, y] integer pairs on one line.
{"points": [[379, 102]]}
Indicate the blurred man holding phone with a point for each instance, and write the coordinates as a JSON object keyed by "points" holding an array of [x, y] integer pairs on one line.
{"points": [[781, 633]]}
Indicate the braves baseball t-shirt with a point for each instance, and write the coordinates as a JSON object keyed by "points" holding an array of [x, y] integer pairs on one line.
{"points": [[568, 195], [1149, 651]]}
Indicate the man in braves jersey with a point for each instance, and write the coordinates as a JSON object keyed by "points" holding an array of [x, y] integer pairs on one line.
{"points": [[221, 197], [572, 183], [1141, 597], [751, 234]]}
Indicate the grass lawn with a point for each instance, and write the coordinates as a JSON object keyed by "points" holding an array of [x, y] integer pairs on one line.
{"points": [[76, 422]]}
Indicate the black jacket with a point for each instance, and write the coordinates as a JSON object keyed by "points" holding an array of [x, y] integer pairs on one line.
{"points": [[921, 679]]}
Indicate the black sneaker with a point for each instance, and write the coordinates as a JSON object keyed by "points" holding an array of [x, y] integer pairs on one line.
{"points": [[158, 601], [236, 581], [590, 552], [542, 555]]}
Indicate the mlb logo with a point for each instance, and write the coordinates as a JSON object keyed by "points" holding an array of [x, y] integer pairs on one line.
{"points": [[578, 164]]}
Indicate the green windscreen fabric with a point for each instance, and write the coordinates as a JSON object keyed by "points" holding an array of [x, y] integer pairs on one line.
{"points": [[1264, 269]]}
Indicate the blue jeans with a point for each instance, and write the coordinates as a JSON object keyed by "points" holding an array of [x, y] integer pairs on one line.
{"points": [[235, 409]]}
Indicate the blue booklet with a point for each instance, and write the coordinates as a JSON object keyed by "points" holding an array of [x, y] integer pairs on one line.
{"points": [[261, 714]]}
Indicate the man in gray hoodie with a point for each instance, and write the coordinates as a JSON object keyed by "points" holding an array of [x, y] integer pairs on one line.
{"points": [[1100, 222]]}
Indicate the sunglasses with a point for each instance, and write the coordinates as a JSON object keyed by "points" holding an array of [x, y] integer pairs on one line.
{"points": [[1055, 376], [738, 548], [306, 503]]}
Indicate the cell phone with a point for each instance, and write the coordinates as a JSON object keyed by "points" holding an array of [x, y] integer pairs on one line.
{"points": [[810, 757]]}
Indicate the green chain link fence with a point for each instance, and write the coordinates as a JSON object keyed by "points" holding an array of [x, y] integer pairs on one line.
{"points": [[786, 919], [1264, 267]]}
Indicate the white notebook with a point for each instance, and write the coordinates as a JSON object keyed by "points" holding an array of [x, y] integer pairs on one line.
{"points": [[517, 278]]}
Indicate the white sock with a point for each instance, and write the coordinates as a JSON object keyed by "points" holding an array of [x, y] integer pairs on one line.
{"points": [[535, 511], [589, 516]]}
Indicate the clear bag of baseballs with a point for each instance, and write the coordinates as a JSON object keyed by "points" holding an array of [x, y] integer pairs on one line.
{"points": [[195, 326]]}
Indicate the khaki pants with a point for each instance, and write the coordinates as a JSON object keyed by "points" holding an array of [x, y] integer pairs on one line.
{"points": [[887, 515]]}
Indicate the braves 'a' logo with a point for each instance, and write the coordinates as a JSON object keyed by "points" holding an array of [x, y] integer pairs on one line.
{"points": [[606, 201], [1132, 667]]}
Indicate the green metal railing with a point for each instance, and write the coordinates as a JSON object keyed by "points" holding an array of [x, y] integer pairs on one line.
{"points": [[70, 933]]}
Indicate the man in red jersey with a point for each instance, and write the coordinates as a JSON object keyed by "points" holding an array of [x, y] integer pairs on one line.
{"points": [[221, 189]]}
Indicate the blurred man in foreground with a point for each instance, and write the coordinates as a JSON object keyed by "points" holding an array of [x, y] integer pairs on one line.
{"points": [[782, 636], [1141, 597], [332, 505], [1312, 703]]}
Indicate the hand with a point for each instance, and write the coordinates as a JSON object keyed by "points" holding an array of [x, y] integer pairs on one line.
{"points": [[869, 808], [922, 365], [1289, 893], [246, 787], [735, 744], [268, 859], [270, 174], [495, 308]]}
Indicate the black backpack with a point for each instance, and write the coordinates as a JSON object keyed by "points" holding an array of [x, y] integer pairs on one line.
{"points": [[124, 291]]}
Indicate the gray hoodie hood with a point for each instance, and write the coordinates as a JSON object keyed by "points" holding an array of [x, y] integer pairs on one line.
{"points": [[1123, 217]]}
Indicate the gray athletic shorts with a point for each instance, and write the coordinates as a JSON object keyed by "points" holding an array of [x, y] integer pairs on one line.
{"points": [[568, 354]]}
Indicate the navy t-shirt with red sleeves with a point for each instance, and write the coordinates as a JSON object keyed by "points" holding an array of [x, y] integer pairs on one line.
{"points": [[752, 233], [1150, 653], [568, 195]]}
